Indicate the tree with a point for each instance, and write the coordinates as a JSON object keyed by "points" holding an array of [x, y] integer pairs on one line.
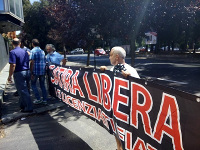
{"points": [[173, 20], [76, 23], [36, 24], [71, 26]]}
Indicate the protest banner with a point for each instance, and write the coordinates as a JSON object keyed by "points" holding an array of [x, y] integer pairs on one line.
{"points": [[143, 115]]}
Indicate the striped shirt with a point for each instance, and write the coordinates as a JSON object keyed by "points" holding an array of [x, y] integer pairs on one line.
{"points": [[38, 56]]}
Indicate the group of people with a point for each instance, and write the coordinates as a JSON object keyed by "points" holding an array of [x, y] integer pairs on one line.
{"points": [[21, 70], [30, 65]]}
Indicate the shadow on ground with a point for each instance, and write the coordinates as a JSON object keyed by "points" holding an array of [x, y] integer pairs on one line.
{"points": [[49, 134]]}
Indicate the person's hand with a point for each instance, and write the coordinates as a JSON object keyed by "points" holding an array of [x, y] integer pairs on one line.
{"points": [[125, 73], [32, 77], [103, 68], [10, 79]]}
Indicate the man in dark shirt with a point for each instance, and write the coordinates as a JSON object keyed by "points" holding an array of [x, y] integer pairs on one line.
{"points": [[19, 68]]}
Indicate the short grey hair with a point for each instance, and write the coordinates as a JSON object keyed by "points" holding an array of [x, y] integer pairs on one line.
{"points": [[52, 47], [120, 51]]}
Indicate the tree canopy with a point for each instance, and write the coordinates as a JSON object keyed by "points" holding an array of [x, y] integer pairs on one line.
{"points": [[82, 23]]}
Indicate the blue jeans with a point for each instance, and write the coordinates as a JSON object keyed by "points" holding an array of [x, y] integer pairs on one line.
{"points": [[42, 86], [22, 79]]}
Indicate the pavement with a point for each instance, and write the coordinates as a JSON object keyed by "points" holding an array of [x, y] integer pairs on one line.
{"points": [[10, 110]]}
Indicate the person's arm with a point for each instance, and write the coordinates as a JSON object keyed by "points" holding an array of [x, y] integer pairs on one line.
{"points": [[130, 72], [28, 53], [31, 69], [63, 62], [31, 66], [31, 58], [126, 73], [61, 59], [103, 68], [11, 71]]}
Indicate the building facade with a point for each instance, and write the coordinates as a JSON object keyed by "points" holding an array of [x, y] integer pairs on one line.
{"points": [[11, 20]]}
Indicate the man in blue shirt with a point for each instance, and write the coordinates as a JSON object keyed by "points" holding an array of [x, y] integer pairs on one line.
{"points": [[53, 56], [19, 68], [22, 46], [38, 70]]}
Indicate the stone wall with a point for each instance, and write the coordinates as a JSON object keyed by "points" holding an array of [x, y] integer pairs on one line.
{"points": [[4, 53]]}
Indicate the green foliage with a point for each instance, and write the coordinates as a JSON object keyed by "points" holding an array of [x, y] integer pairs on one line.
{"points": [[36, 24], [76, 23]]}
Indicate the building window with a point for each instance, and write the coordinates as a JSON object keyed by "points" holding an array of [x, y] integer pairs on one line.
{"points": [[21, 10], [17, 6], [12, 6], [1, 5]]}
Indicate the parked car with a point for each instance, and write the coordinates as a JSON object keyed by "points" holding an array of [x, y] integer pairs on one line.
{"points": [[107, 51], [99, 51], [142, 49], [77, 51], [166, 48], [176, 49]]}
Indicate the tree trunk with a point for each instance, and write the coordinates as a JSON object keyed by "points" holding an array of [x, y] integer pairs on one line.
{"points": [[88, 58], [172, 46], [146, 49], [89, 50], [64, 51], [132, 46], [168, 46], [194, 48]]}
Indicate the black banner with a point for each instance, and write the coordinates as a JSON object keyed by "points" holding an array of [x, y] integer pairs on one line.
{"points": [[144, 115]]}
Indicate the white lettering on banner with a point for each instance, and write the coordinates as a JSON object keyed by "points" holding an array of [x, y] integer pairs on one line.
{"points": [[169, 110]]}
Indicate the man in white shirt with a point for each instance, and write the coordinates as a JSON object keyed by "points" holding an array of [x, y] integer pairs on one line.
{"points": [[117, 59]]}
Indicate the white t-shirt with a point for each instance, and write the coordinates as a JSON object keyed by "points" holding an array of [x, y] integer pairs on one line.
{"points": [[130, 69]]}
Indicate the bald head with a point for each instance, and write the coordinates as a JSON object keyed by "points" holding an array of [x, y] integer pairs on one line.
{"points": [[16, 42], [120, 51], [117, 55]]}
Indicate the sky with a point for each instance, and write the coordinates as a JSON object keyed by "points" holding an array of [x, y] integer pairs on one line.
{"points": [[33, 1], [18, 32]]}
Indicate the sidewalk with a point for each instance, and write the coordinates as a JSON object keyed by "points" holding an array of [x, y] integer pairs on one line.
{"points": [[10, 110]]}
